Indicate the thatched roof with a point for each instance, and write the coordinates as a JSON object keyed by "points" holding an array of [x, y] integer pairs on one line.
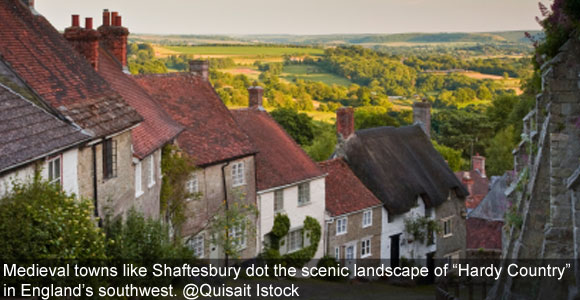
{"points": [[399, 164]]}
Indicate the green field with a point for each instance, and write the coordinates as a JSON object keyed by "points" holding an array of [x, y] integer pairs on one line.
{"points": [[244, 50], [312, 73]]}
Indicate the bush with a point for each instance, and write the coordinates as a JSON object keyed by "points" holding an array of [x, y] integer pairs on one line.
{"points": [[137, 238], [329, 262], [40, 221]]}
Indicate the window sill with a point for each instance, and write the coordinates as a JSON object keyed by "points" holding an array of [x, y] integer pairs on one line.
{"points": [[448, 235], [367, 226], [238, 185], [139, 194], [304, 204], [341, 233], [366, 255], [152, 184]]}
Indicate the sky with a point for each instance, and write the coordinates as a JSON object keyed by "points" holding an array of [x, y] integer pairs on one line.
{"points": [[301, 16]]}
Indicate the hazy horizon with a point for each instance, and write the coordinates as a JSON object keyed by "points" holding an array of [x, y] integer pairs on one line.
{"points": [[302, 17]]}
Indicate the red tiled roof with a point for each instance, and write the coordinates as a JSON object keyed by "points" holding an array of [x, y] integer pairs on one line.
{"points": [[157, 128], [280, 161], [479, 188], [483, 234], [211, 135], [47, 63], [344, 191]]}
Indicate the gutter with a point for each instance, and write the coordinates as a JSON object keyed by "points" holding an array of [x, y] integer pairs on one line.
{"points": [[291, 184], [227, 205]]}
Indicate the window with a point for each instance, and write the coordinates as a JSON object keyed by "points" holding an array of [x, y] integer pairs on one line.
{"points": [[341, 226], [138, 184], [278, 200], [238, 236], [197, 245], [151, 171], [295, 240], [447, 228], [109, 159], [304, 193], [428, 211], [192, 186], [367, 218], [365, 248], [238, 177], [337, 253], [54, 170]]}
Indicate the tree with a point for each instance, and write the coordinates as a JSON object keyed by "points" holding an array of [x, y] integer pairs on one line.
{"points": [[373, 116], [499, 152], [298, 125], [452, 156], [40, 221], [232, 226]]}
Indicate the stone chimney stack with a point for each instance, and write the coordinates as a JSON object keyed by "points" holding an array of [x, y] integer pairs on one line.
{"points": [[114, 36], [468, 183], [345, 122], [256, 96], [199, 68], [422, 116], [84, 40], [478, 163]]}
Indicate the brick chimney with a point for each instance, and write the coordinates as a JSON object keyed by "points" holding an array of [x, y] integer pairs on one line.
{"points": [[468, 183], [422, 115], [345, 122], [256, 95], [114, 36], [84, 40], [199, 68], [478, 163]]}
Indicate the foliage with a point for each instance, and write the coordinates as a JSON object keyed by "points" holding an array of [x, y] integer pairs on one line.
{"points": [[298, 125], [232, 217], [373, 116], [499, 152], [137, 238], [176, 168], [40, 221], [513, 218], [329, 262], [452, 156], [311, 231], [323, 143], [422, 228], [462, 130], [141, 60]]}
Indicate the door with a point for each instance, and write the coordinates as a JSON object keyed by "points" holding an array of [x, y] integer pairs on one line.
{"points": [[350, 256], [395, 250]]}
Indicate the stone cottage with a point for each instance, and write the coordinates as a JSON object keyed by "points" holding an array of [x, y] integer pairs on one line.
{"points": [[41, 60], [105, 50], [222, 151], [288, 181], [354, 215], [414, 183], [32, 139]]}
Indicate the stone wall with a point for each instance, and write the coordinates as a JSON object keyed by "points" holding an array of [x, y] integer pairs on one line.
{"points": [[356, 233], [454, 245]]}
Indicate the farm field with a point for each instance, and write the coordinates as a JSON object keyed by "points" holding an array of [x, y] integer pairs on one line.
{"points": [[312, 73]]}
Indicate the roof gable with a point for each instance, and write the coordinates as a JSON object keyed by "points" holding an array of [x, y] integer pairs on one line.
{"points": [[46, 62], [399, 164], [345, 193], [157, 128], [280, 161], [211, 135]]}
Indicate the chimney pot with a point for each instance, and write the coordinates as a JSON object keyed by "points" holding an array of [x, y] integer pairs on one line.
{"points": [[422, 115], [106, 18], [89, 23], [75, 21], [256, 96], [199, 68], [118, 21], [114, 18], [345, 122], [478, 163]]}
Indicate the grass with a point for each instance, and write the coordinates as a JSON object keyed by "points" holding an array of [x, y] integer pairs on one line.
{"points": [[312, 73], [322, 116]]}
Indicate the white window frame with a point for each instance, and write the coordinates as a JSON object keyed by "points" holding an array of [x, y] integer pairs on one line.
{"points": [[279, 197], [239, 235], [304, 193], [337, 253], [295, 240], [51, 164], [238, 174], [138, 179], [197, 244], [341, 226], [365, 248], [447, 227], [367, 218], [192, 185], [151, 171]]}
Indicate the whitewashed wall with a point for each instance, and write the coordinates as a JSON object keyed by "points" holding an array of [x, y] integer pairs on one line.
{"points": [[297, 214]]}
